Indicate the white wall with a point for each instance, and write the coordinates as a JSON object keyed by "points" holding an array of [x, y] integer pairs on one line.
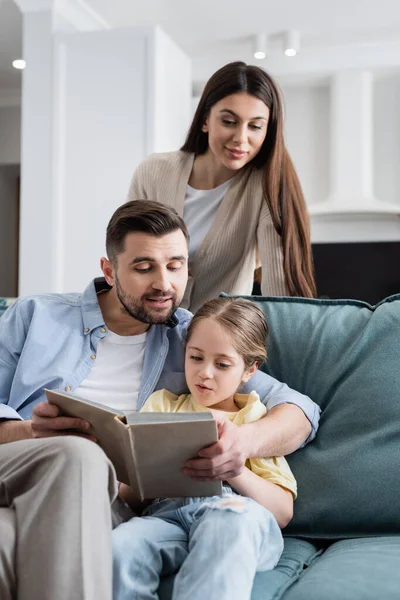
{"points": [[172, 82], [387, 138], [307, 137], [10, 133], [8, 230], [102, 119], [111, 98]]}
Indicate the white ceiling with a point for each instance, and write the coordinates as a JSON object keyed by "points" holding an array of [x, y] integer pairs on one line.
{"points": [[201, 26], [217, 31], [214, 32]]}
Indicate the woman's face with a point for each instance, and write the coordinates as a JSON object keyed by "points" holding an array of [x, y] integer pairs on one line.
{"points": [[236, 126]]}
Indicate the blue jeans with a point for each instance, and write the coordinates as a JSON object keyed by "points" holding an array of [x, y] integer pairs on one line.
{"points": [[218, 543]]}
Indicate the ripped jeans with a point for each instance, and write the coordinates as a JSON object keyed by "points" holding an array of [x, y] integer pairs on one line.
{"points": [[217, 543]]}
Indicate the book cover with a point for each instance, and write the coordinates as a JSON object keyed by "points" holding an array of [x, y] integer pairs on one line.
{"points": [[147, 449]]}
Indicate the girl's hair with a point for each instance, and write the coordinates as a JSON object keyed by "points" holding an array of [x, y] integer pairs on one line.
{"points": [[243, 321], [282, 188]]}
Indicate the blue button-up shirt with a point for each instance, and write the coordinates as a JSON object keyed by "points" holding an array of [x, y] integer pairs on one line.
{"points": [[48, 341]]}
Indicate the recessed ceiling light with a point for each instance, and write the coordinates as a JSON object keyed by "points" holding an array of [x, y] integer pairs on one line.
{"points": [[19, 63], [291, 43], [260, 46]]}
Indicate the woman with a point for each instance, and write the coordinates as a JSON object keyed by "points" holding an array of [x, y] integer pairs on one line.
{"points": [[237, 190]]}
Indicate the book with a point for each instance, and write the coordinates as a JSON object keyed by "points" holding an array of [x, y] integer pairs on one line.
{"points": [[147, 449]]}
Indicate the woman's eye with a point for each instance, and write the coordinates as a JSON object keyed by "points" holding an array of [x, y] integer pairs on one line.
{"points": [[223, 365], [258, 127], [227, 122]]}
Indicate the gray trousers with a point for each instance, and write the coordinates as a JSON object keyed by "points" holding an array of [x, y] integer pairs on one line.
{"points": [[55, 520]]}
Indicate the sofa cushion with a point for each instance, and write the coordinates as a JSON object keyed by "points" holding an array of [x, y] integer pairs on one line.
{"points": [[345, 355], [363, 569], [352, 569], [270, 585]]}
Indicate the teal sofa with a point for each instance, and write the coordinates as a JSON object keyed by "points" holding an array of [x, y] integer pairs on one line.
{"points": [[344, 541], [4, 304]]}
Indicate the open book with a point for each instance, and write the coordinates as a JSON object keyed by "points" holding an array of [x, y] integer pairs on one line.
{"points": [[147, 449]]}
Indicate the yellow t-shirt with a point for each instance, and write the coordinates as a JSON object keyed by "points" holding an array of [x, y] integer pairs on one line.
{"points": [[275, 469]]}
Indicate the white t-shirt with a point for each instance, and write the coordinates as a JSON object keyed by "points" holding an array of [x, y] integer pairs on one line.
{"points": [[117, 372], [199, 211]]}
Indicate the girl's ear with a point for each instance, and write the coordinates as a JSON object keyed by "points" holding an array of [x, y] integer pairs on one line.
{"points": [[248, 374]]}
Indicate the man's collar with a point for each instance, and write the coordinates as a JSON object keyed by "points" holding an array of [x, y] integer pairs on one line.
{"points": [[91, 312]]}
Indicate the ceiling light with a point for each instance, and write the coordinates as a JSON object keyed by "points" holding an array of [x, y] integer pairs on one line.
{"points": [[19, 63], [291, 43], [260, 46]]}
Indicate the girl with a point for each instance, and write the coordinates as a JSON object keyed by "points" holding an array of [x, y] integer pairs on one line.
{"points": [[235, 186], [218, 543]]}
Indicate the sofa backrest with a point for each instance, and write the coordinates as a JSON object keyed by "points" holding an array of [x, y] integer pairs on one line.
{"points": [[345, 355], [4, 304]]}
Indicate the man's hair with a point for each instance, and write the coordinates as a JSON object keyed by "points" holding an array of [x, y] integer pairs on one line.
{"points": [[145, 216]]}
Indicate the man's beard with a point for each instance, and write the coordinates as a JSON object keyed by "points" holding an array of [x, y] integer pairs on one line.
{"points": [[136, 308]]}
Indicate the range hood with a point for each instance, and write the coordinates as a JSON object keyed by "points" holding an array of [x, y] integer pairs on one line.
{"points": [[354, 206]]}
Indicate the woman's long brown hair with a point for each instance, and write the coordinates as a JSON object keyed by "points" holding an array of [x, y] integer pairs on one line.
{"points": [[282, 188]]}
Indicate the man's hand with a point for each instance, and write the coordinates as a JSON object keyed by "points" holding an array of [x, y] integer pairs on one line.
{"points": [[15, 430], [224, 459], [47, 421]]}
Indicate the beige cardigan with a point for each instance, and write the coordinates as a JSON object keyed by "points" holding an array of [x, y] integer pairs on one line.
{"points": [[226, 259]]}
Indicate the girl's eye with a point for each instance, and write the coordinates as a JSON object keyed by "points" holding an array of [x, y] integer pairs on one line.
{"points": [[223, 365], [196, 358], [227, 122], [258, 127]]}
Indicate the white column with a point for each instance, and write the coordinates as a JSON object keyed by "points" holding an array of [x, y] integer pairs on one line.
{"points": [[351, 138], [94, 104], [41, 18], [36, 239]]}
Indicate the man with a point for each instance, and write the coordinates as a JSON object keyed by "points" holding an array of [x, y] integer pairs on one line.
{"points": [[115, 344]]}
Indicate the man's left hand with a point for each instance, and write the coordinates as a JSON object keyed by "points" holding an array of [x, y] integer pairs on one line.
{"points": [[224, 459]]}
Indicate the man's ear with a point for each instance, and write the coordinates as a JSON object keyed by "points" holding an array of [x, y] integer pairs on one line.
{"points": [[108, 270], [248, 374]]}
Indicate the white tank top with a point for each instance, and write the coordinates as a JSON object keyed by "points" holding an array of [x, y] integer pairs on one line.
{"points": [[199, 212]]}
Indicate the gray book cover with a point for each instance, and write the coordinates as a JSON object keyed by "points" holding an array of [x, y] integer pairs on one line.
{"points": [[147, 449]]}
